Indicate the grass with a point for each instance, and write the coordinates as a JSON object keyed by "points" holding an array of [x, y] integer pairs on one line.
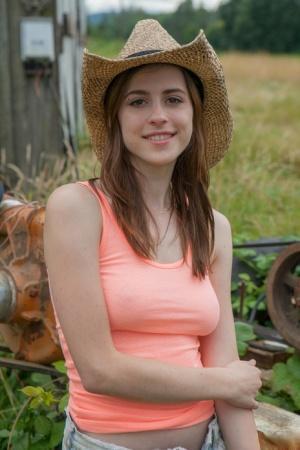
{"points": [[103, 47], [257, 185]]}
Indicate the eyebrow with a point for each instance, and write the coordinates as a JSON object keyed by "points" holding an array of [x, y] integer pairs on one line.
{"points": [[143, 92]]}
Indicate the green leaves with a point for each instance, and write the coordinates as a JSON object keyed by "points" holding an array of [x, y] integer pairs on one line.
{"points": [[32, 409], [244, 333], [281, 400], [280, 374], [21, 441], [40, 379], [284, 389], [63, 402], [4, 433], [293, 365], [57, 432], [42, 425], [286, 378], [60, 366], [254, 284], [45, 435], [39, 396]]}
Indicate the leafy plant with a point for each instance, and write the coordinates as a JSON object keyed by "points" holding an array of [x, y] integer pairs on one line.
{"points": [[31, 409], [254, 285], [244, 334], [284, 388]]}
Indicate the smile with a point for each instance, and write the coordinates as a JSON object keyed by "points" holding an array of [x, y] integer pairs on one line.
{"points": [[159, 137]]}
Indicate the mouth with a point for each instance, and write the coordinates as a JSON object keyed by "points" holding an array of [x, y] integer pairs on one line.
{"points": [[159, 137]]}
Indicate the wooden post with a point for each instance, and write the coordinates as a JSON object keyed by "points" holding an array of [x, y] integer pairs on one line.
{"points": [[40, 109], [6, 139], [32, 131], [19, 123]]}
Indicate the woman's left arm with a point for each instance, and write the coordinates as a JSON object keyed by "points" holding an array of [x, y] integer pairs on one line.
{"points": [[219, 348]]}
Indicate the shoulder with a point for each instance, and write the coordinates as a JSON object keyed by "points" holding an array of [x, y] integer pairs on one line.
{"points": [[222, 224], [72, 198], [75, 204], [223, 237], [69, 194]]}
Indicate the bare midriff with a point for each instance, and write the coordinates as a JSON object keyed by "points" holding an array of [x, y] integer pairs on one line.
{"points": [[190, 438]]}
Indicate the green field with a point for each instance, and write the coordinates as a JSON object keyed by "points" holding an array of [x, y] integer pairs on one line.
{"points": [[257, 185]]}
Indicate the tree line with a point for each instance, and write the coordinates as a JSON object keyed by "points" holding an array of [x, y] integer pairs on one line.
{"points": [[248, 25]]}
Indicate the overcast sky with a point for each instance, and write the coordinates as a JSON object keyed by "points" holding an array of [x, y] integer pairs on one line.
{"points": [[148, 5]]}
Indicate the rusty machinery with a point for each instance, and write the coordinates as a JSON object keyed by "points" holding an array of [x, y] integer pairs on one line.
{"points": [[26, 316], [27, 321], [283, 294]]}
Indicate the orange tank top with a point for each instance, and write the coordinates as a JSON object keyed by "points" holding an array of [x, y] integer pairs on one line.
{"points": [[157, 311]]}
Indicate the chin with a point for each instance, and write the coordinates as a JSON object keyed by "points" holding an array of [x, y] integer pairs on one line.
{"points": [[160, 159]]}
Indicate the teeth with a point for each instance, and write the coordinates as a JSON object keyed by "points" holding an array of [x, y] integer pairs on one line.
{"points": [[159, 137]]}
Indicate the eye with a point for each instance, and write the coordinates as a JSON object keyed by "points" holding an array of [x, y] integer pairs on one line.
{"points": [[174, 100], [137, 102]]}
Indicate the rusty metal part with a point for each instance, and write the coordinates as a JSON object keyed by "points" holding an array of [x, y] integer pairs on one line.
{"points": [[283, 294], [265, 244], [7, 296], [26, 313], [267, 353], [28, 366]]}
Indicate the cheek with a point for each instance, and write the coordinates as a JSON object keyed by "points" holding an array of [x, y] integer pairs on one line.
{"points": [[129, 123], [129, 129], [187, 123]]}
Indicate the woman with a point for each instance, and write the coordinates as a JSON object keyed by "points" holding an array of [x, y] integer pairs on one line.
{"points": [[139, 263]]}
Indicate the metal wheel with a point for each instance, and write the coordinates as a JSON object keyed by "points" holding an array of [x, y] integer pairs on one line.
{"points": [[283, 294]]}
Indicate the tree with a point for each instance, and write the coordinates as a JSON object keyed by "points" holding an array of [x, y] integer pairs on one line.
{"points": [[249, 25], [261, 24]]}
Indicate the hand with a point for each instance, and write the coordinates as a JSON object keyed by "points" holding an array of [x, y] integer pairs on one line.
{"points": [[244, 382]]}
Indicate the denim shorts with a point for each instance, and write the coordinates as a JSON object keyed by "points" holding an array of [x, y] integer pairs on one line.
{"points": [[75, 440]]}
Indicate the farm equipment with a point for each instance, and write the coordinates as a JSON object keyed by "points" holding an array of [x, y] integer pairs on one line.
{"points": [[280, 296], [283, 294], [26, 315]]}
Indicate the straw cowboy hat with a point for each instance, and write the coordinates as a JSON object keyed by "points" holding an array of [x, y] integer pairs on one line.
{"points": [[149, 43]]}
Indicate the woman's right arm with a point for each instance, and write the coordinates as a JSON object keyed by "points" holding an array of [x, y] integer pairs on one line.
{"points": [[72, 232]]}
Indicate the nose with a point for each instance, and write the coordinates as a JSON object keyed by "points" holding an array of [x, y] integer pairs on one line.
{"points": [[157, 114]]}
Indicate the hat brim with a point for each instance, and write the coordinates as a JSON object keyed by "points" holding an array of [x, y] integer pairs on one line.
{"points": [[198, 57]]}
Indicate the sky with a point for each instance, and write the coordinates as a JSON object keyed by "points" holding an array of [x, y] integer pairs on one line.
{"points": [[147, 5]]}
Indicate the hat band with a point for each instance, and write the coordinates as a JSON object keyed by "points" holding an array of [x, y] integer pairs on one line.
{"points": [[142, 53]]}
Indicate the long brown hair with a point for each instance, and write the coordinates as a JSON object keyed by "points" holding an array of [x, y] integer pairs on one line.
{"points": [[189, 182]]}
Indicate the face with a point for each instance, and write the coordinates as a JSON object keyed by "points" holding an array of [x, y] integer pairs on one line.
{"points": [[156, 116]]}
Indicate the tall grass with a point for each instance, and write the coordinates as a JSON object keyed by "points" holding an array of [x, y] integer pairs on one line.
{"points": [[257, 185]]}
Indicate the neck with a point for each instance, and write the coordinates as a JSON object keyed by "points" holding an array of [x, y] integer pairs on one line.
{"points": [[156, 188], [156, 194]]}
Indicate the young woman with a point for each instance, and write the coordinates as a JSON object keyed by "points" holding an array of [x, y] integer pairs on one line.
{"points": [[139, 264]]}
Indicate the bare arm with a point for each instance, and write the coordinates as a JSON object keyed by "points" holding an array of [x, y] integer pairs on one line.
{"points": [[71, 239], [219, 348]]}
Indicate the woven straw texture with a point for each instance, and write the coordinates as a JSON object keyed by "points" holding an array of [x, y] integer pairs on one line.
{"points": [[197, 56]]}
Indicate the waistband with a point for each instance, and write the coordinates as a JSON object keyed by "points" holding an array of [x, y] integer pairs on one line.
{"points": [[73, 438]]}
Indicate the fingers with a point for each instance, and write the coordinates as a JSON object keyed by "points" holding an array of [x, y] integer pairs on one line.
{"points": [[252, 362]]}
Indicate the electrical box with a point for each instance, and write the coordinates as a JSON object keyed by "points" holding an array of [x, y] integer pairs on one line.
{"points": [[37, 39]]}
